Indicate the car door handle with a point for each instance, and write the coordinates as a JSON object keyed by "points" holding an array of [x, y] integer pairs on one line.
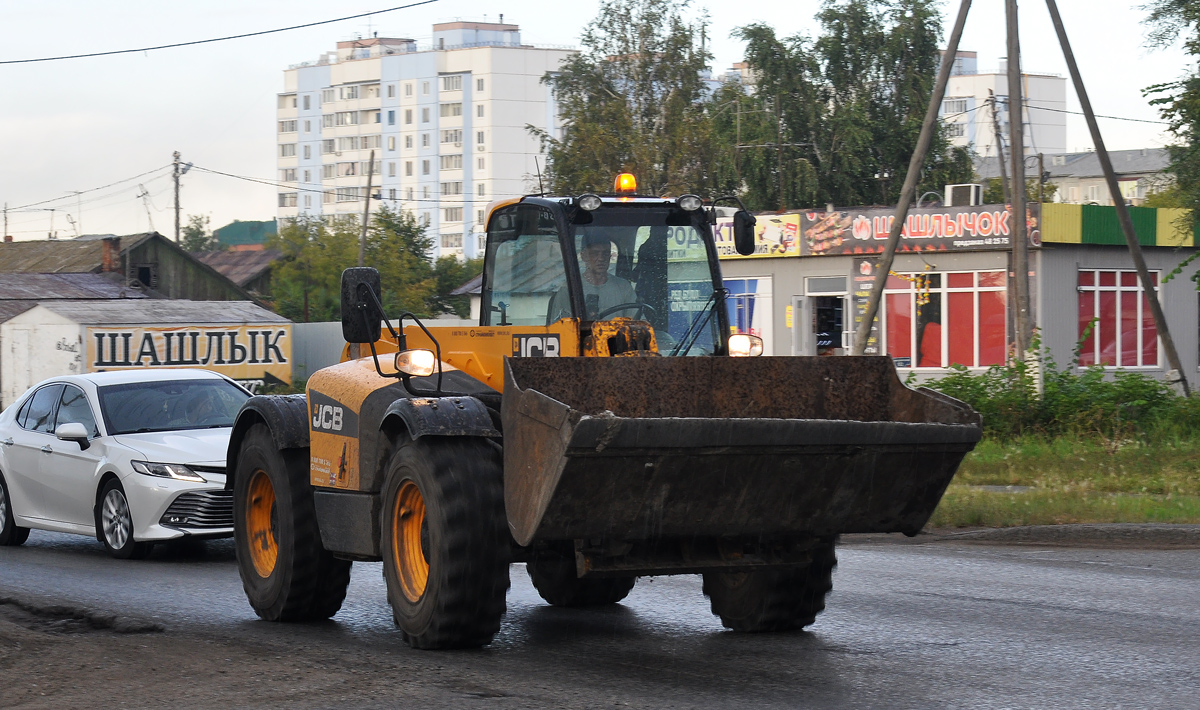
{"points": [[7, 442], [47, 450]]}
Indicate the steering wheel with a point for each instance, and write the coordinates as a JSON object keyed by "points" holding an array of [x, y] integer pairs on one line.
{"points": [[641, 308]]}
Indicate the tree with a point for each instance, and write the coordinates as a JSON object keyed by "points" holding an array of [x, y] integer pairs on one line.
{"points": [[306, 282], [848, 106], [632, 101], [195, 235], [993, 191], [1178, 101]]}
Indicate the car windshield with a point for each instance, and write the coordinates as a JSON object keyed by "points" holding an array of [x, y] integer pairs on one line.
{"points": [[662, 258], [170, 405]]}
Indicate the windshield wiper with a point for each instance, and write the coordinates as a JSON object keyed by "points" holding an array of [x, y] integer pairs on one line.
{"points": [[707, 310]]}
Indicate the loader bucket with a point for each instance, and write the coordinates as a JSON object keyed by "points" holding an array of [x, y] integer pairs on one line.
{"points": [[641, 449]]}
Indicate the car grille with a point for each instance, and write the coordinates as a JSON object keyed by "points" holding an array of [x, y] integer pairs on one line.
{"points": [[201, 509]]}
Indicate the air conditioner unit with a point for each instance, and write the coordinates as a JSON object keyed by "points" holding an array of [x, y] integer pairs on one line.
{"points": [[965, 195]]}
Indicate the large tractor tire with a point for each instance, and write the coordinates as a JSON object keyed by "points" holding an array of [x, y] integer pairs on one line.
{"points": [[287, 574], [553, 575], [773, 600], [446, 544]]}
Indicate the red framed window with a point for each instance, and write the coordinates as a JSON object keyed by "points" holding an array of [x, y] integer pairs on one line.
{"points": [[936, 320], [1114, 314]]}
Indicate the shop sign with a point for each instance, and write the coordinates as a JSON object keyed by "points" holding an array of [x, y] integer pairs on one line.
{"points": [[251, 354], [861, 281], [865, 230], [774, 236]]}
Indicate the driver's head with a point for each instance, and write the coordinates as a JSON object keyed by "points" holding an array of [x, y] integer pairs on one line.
{"points": [[596, 254], [200, 407]]}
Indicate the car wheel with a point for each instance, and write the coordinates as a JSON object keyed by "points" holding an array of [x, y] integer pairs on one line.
{"points": [[10, 533], [115, 523]]}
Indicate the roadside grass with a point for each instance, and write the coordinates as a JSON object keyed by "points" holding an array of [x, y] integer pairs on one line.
{"points": [[966, 507]]}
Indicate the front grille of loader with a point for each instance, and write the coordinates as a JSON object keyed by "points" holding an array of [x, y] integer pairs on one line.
{"points": [[201, 509]]}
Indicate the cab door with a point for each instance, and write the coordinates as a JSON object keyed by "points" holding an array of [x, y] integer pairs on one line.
{"points": [[68, 472], [32, 441]]}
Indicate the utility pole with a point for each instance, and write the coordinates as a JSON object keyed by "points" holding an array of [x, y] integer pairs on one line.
{"points": [[908, 192], [1041, 179], [779, 150], [1016, 149], [175, 174], [999, 148], [78, 211], [737, 152], [1135, 249], [362, 241], [6, 221]]}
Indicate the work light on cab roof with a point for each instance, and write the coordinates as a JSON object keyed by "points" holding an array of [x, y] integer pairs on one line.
{"points": [[625, 183]]}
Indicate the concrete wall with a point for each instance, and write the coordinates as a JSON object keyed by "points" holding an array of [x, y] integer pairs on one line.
{"points": [[34, 346]]}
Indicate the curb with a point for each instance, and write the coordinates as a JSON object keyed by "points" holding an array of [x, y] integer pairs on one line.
{"points": [[1133, 535]]}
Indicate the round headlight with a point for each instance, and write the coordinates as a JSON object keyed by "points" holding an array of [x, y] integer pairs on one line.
{"points": [[690, 203], [743, 345], [418, 363], [589, 202]]}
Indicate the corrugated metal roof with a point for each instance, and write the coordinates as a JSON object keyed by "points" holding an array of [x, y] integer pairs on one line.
{"points": [[241, 267], [50, 257], [164, 312], [1143, 161], [39, 287], [11, 309], [239, 232]]}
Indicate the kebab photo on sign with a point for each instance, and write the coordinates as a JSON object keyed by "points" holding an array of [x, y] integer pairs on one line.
{"points": [[827, 231]]}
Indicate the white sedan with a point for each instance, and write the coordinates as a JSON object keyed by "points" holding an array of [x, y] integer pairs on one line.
{"points": [[130, 457]]}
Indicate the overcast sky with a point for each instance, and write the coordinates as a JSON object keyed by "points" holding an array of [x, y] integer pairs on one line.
{"points": [[79, 124]]}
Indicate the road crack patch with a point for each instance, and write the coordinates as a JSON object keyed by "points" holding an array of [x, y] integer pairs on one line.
{"points": [[67, 619]]}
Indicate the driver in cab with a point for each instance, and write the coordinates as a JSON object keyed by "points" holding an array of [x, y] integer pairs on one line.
{"points": [[602, 291]]}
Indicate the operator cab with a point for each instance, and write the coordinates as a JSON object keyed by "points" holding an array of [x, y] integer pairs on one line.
{"points": [[621, 260]]}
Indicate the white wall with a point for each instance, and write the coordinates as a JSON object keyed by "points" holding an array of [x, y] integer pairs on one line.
{"points": [[34, 346]]}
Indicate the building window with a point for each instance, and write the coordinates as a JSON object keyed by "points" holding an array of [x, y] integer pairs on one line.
{"points": [[327, 146], [287, 199], [327, 197], [408, 89], [308, 200], [392, 194], [349, 92], [451, 110], [452, 83], [391, 170], [391, 91], [408, 142], [347, 169], [287, 175], [956, 130], [450, 162], [408, 194], [391, 142], [308, 126], [424, 140], [391, 118], [328, 171], [424, 219], [479, 137], [327, 96], [408, 168], [479, 163], [479, 213], [453, 135], [308, 152], [450, 189], [346, 118], [424, 115], [479, 110], [479, 84], [954, 106], [452, 241], [347, 194], [425, 88], [307, 175], [307, 102], [287, 126], [452, 214], [327, 121], [377, 116], [287, 101], [407, 116], [425, 192], [424, 167], [1114, 314], [287, 150], [1092, 193], [937, 320]]}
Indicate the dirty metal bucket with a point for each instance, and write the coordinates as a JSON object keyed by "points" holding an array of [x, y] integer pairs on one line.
{"points": [[652, 448]]}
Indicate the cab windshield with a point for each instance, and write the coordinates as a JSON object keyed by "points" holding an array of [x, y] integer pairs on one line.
{"points": [[657, 255]]}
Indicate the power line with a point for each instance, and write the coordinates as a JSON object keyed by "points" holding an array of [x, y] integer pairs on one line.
{"points": [[72, 196], [1115, 118], [216, 39], [467, 198]]}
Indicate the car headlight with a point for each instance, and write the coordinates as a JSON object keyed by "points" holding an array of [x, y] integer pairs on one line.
{"points": [[167, 470]]}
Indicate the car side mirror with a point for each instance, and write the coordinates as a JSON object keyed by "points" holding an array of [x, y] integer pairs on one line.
{"points": [[743, 232], [73, 431], [361, 314]]}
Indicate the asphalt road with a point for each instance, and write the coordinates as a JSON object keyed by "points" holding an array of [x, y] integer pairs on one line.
{"points": [[908, 625]]}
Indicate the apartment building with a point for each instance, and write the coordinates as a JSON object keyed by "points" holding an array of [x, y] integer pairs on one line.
{"points": [[968, 116], [448, 124]]}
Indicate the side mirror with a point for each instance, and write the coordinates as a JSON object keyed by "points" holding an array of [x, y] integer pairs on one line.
{"points": [[73, 431], [360, 314], [743, 232]]}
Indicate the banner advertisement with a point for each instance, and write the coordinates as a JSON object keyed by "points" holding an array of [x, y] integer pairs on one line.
{"points": [[254, 355], [865, 230], [774, 236], [860, 292]]}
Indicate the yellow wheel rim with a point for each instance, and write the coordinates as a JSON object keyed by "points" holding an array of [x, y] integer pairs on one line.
{"points": [[262, 524], [408, 554]]}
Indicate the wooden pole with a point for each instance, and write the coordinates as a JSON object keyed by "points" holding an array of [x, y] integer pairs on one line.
{"points": [[999, 149], [1016, 151], [908, 192], [1135, 249], [362, 240]]}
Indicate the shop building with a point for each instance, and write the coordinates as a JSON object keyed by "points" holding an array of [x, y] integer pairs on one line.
{"points": [[949, 299]]}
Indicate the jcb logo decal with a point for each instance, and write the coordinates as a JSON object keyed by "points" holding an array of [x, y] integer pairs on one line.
{"points": [[327, 417], [544, 345], [331, 416]]}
